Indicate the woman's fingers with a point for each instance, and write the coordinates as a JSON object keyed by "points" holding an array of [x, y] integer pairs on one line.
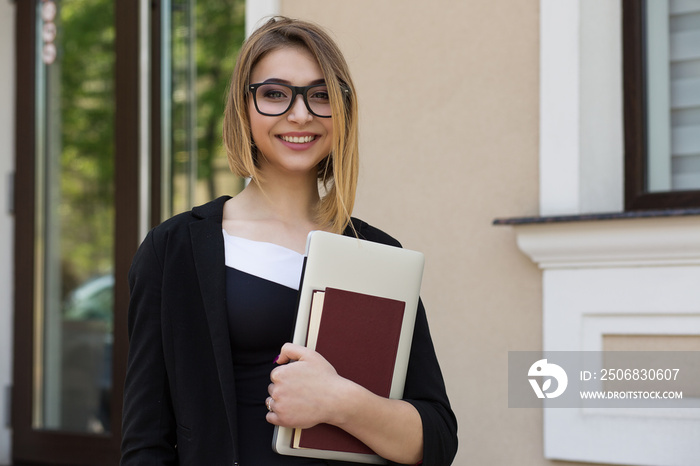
{"points": [[304, 391], [291, 352]]}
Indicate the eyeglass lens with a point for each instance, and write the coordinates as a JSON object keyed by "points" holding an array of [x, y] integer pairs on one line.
{"points": [[276, 99]]}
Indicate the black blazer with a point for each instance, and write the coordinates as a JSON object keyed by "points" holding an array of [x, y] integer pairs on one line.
{"points": [[179, 395]]}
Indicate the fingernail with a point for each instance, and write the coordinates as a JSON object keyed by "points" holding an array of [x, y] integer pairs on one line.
{"points": [[278, 356]]}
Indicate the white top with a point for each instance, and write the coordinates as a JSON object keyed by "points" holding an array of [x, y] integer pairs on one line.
{"points": [[265, 260]]}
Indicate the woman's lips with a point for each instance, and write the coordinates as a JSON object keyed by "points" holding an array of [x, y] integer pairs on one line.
{"points": [[298, 139], [298, 142]]}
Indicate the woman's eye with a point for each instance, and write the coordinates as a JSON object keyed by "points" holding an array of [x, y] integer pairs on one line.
{"points": [[274, 94], [319, 95]]}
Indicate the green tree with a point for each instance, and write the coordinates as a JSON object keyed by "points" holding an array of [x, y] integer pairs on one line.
{"points": [[220, 33], [206, 37], [85, 69]]}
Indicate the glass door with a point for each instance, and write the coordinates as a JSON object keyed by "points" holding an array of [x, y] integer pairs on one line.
{"points": [[75, 85], [74, 235], [118, 125]]}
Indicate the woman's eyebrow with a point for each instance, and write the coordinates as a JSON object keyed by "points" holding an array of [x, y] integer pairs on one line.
{"points": [[284, 81]]}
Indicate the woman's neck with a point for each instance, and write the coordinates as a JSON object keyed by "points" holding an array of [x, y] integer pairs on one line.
{"points": [[278, 212], [285, 199]]}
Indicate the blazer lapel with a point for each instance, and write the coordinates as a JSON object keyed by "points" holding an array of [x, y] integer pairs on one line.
{"points": [[208, 249]]}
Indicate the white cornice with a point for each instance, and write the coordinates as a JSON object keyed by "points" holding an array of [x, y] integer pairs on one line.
{"points": [[612, 243]]}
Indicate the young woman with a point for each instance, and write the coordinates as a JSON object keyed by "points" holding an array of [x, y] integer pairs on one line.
{"points": [[213, 290]]}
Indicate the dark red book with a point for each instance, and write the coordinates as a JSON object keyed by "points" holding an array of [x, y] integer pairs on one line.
{"points": [[359, 335]]}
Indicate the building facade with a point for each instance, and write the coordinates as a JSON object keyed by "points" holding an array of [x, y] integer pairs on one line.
{"points": [[471, 112]]}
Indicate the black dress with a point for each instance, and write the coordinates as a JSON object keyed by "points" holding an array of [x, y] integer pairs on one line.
{"points": [[261, 319]]}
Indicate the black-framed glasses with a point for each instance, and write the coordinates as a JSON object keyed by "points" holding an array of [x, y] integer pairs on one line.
{"points": [[275, 99]]}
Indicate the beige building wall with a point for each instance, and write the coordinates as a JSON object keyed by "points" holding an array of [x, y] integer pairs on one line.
{"points": [[449, 140]]}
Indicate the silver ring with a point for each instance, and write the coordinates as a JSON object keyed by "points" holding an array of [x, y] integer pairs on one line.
{"points": [[267, 403]]}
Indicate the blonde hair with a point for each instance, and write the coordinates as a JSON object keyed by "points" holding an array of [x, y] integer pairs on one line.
{"points": [[337, 173]]}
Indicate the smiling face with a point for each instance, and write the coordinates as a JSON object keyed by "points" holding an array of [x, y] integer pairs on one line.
{"points": [[295, 142]]}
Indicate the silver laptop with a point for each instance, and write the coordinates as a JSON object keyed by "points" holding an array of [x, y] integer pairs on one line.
{"points": [[360, 266]]}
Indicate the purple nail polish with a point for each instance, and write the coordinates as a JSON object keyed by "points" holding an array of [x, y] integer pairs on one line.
{"points": [[276, 358]]}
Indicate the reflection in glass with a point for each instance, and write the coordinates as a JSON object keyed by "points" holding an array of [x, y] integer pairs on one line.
{"points": [[200, 43], [75, 219]]}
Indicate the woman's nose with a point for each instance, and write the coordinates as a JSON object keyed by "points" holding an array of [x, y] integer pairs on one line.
{"points": [[299, 113]]}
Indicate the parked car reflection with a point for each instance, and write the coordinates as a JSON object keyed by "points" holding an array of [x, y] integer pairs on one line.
{"points": [[87, 356]]}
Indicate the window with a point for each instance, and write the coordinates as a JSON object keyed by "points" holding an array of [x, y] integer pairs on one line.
{"points": [[597, 275], [661, 41]]}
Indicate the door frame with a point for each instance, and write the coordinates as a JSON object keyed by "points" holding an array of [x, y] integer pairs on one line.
{"points": [[32, 446]]}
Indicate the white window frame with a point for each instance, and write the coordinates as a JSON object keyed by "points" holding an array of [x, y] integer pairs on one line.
{"points": [[581, 132]]}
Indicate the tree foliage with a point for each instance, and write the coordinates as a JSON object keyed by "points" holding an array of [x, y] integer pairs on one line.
{"points": [[80, 123], [80, 89], [206, 38]]}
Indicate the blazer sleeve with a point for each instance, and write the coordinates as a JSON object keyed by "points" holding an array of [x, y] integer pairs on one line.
{"points": [[148, 423], [425, 390]]}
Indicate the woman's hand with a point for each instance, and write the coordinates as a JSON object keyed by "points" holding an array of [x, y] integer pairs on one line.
{"points": [[306, 392]]}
